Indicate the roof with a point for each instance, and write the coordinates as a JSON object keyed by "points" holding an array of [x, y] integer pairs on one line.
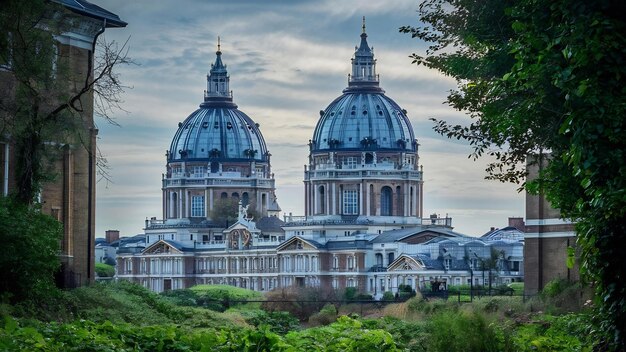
{"points": [[399, 234], [364, 118], [270, 224], [88, 9]]}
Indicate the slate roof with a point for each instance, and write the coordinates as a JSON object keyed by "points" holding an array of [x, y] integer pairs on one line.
{"points": [[88, 9], [399, 234], [270, 224]]}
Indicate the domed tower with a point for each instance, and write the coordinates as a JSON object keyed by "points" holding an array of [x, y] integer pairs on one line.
{"points": [[363, 161], [217, 153]]}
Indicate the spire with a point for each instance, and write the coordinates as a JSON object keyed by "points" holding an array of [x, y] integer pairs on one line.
{"points": [[218, 80], [363, 62]]}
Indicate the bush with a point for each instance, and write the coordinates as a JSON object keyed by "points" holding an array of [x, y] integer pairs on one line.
{"points": [[104, 270], [463, 331], [327, 315], [350, 293], [277, 322], [388, 296], [219, 298], [300, 302], [30, 243]]}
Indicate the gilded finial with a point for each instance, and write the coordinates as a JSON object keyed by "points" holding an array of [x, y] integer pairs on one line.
{"points": [[363, 27], [218, 44]]}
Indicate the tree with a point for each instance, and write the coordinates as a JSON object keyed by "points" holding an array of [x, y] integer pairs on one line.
{"points": [[30, 241], [45, 103], [546, 77], [226, 211]]}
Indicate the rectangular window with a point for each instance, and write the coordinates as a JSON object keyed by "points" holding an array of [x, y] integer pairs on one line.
{"points": [[177, 171], [197, 206], [198, 171], [350, 202], [350, 162]]}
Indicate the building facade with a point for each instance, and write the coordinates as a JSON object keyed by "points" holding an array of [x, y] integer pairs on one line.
{"points": [[363, 225], [547, 238], [70, 197]]}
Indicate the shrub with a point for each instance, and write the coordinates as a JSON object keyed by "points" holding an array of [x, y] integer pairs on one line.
{"points": [[183, 297], [30, 243], [327, 315], [350, 293], [463, 331], [277, 322], [388, 296], [222, 297], [300, 302], [104, 270]]}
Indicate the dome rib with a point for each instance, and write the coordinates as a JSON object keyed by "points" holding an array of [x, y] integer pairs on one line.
{"points": [[363, 119], [210, 130]]}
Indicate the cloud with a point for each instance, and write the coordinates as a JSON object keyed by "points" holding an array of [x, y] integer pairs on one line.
{"points": [[287, 61]]}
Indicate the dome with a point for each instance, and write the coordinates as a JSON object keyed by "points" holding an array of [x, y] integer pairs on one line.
{"points": [[218, 131], [363, 118]]}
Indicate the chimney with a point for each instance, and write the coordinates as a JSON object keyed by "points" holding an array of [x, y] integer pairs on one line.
{"points": [[517, 222], [112, 235]]}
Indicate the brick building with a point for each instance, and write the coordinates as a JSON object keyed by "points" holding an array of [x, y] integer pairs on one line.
{"points": [[70, 197], [547, 238]]}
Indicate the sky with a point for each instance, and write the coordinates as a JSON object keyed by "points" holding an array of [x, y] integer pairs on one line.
{"points": [[287, 60]]}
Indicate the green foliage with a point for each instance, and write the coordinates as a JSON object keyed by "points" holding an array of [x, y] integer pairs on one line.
{"points": [[30, 240], [105, 270], [127, 302], [562, 333], [350, 293], [555, 287], [226, 210], [298, 301], [277, 322], [346, 334], [388, 296], [518, 288], [408, 336], [327, 315], [546, 76], [221, 297], [471, 331]]}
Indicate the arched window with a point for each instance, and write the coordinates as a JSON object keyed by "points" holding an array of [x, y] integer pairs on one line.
{"points": [[215, 167], [224, 195], [390, 257], [235, 195], [379, 259], [322, 200], [411, 210], [386, 201], [369, 158], [399, 201], [174, 206], [245, 199], [372, 201]]}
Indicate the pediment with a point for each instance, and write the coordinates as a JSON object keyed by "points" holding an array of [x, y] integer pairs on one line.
{"points": [[296, 244], [161, 247], [405, 263]]}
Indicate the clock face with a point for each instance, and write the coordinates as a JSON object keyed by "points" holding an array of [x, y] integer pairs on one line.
{"points": [[246, 236], [242, 235]]}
